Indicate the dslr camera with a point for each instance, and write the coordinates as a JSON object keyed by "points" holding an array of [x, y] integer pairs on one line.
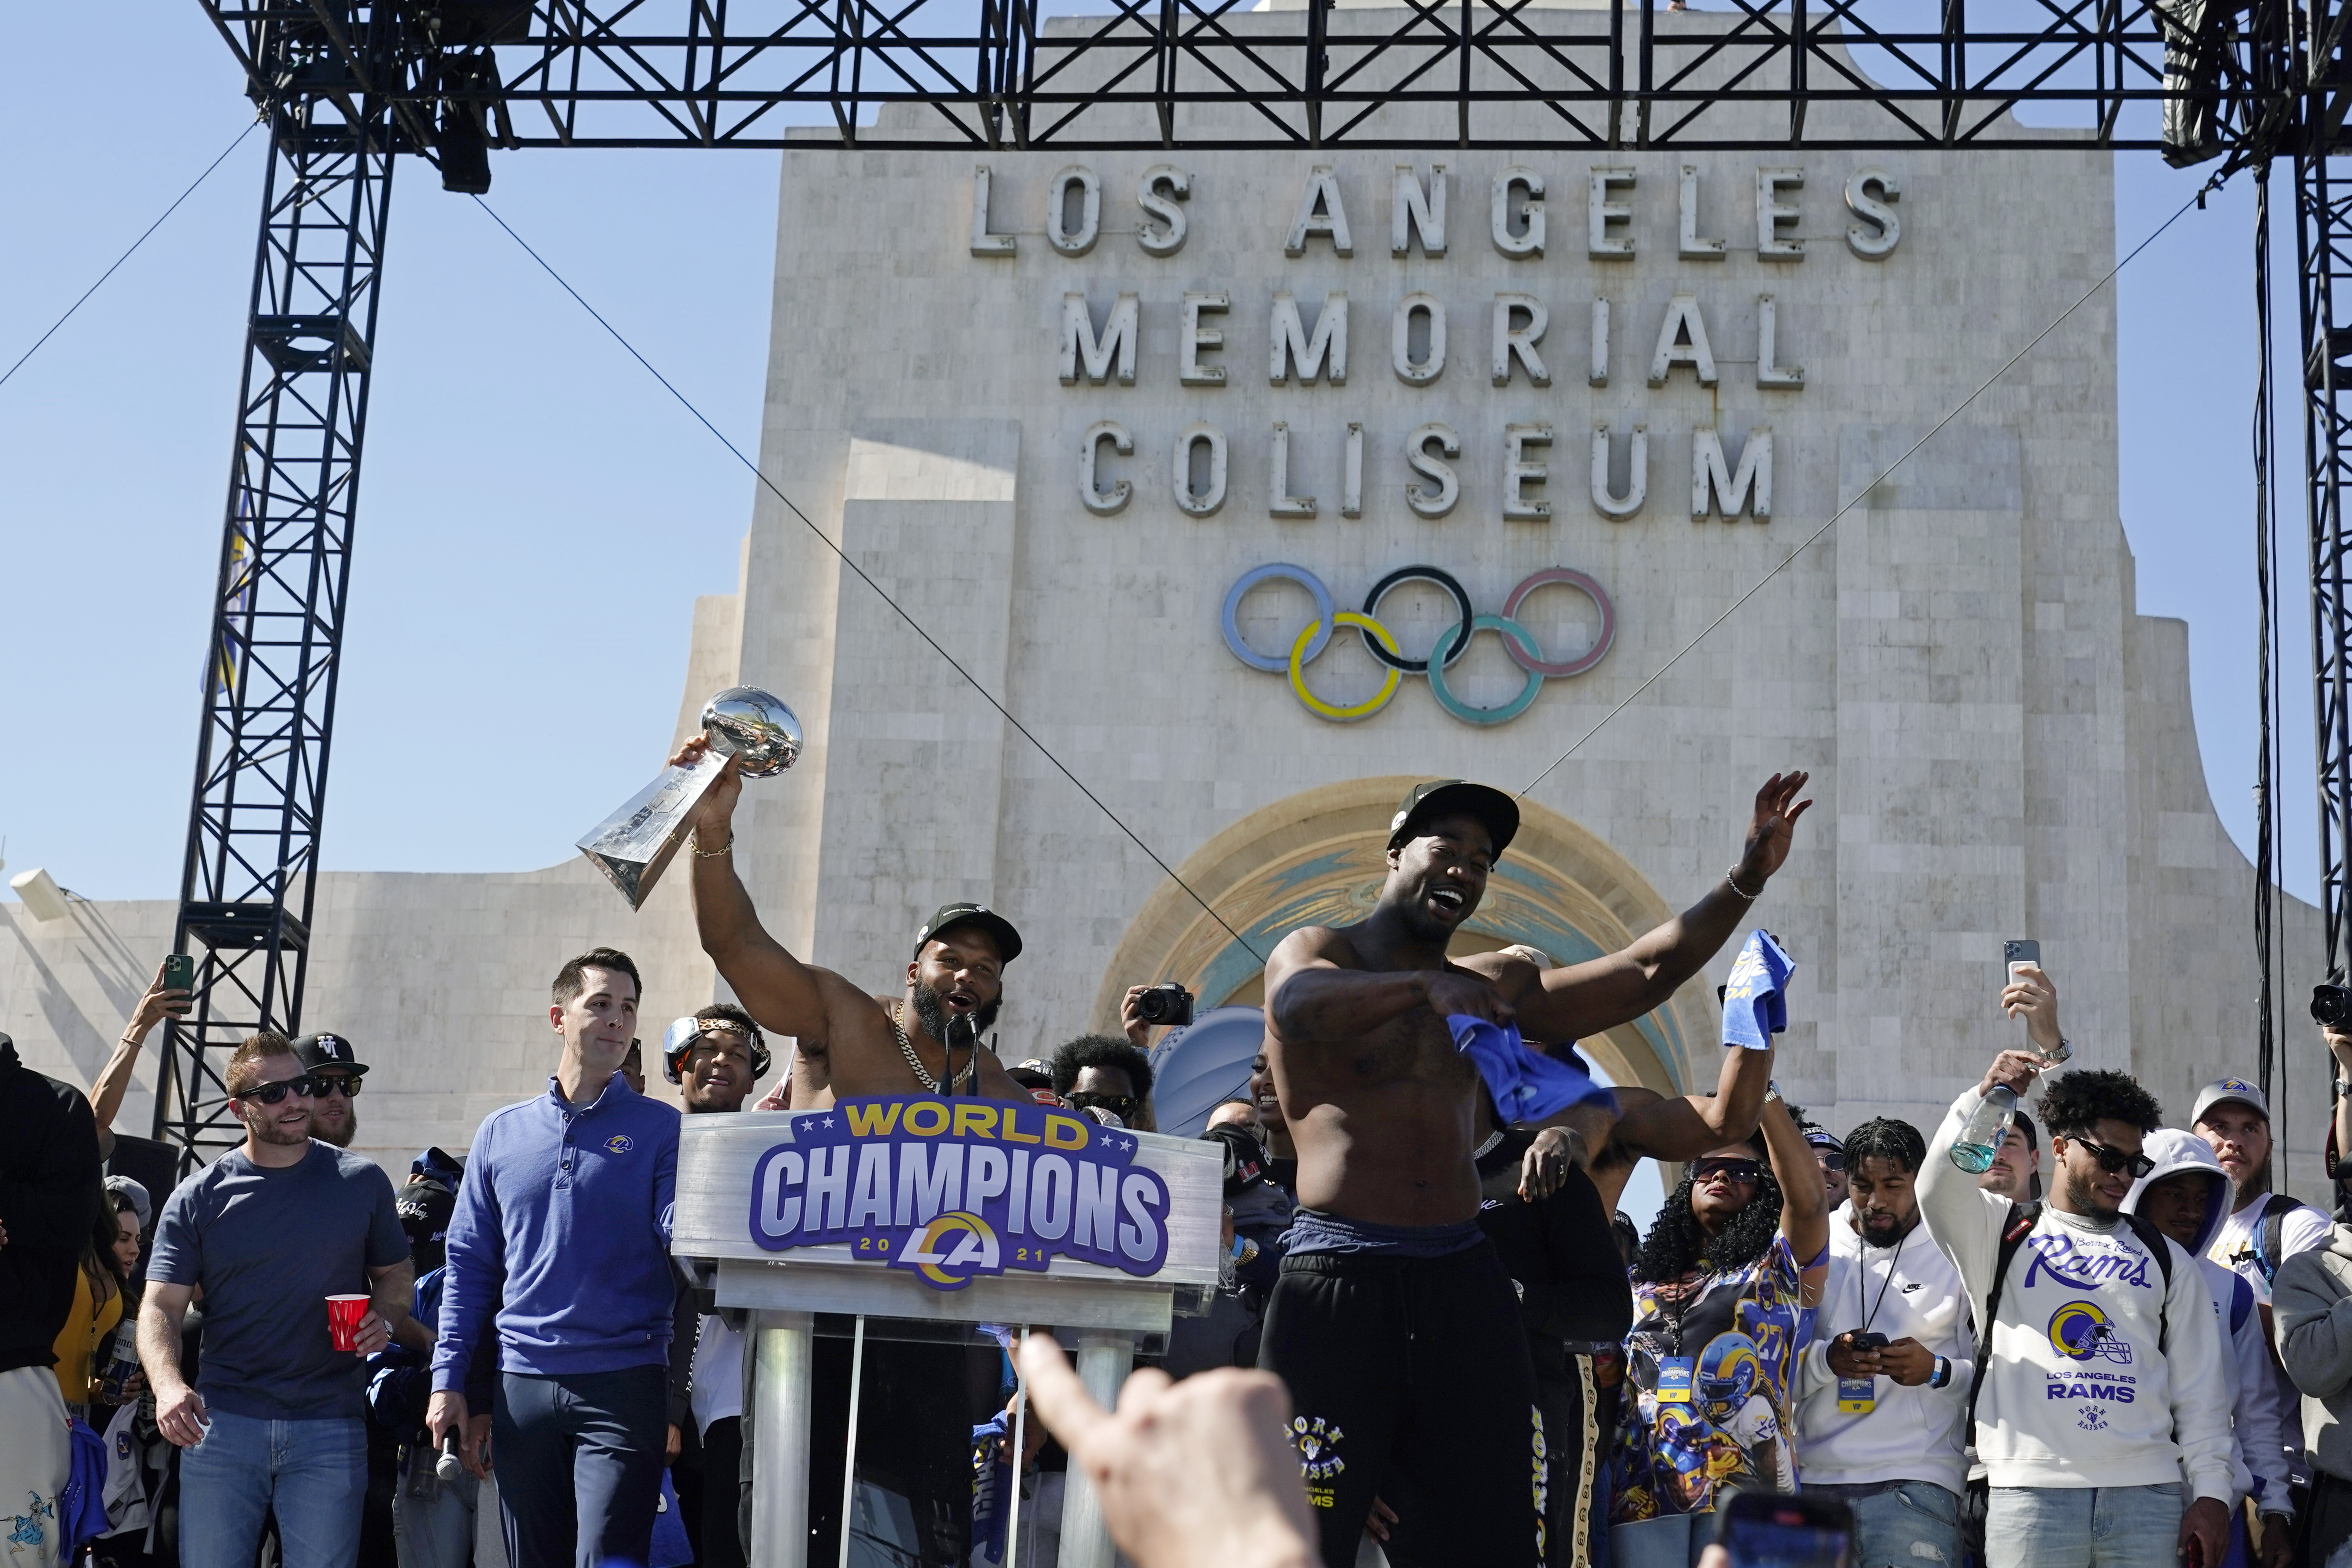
{"points": [[2331, 1006], [1166, 1002]]}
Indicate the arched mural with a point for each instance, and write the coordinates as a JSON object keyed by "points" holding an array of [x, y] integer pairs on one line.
{"points": [[1319, 858]]}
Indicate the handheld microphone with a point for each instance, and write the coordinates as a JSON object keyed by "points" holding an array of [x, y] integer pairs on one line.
{"points": [[448, 1467]]}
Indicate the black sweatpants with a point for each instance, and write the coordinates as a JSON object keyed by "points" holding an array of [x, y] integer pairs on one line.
{"points": [[580, 1461], [1409, 1382]]}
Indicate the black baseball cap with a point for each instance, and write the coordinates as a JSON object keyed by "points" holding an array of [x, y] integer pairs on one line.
{"points": [[1439, 797], [1033, 1073], [1008, 940], [327, 1051]]}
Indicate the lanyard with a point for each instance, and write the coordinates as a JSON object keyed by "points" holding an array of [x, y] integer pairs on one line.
{"points": [[1863, 1286]]}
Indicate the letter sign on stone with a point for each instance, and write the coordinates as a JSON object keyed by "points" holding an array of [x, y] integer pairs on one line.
{"points": [[1603, 242], [1518, 473], [1416, 211], [1161, 193], [982, 242], [1769, 371], [1101, 502], [1526, 241], [1693, 246], [1203, 503], [1714, 481], [1774, 216], [1876, 236], [1283, 503], [1411, 371], [1196, 339], [1435, 501], [1512, 341], [1058, 234], [1320, 210], [1293, 346], [1637, 483], [1082, 350], [1682, 339]]}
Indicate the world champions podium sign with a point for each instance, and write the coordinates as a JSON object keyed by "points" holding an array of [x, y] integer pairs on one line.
{"points": [[916, 1217]]}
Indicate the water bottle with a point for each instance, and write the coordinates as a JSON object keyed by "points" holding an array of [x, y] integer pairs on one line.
{"points": [[1980, 1139]]}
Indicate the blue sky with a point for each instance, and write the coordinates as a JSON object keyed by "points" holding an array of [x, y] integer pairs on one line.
{"points": [[536, 515]]}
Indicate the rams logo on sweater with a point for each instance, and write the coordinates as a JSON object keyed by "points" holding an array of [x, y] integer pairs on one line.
{"points": [[2080, 1332]]}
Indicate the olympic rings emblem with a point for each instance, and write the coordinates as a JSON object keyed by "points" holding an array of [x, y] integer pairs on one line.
{"points": [[1450, 644]]}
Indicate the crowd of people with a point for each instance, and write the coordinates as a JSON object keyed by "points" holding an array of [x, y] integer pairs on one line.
{"points": [[2080, 1339]]}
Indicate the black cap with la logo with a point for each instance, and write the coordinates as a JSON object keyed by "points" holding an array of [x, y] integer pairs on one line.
{"points": [[1008, 940]]}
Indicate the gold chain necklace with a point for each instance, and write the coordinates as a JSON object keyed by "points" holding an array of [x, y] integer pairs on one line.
{"points": [[934, 1085]]}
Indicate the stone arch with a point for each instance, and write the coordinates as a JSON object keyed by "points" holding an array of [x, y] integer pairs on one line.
{"points": [[1318, 857]]}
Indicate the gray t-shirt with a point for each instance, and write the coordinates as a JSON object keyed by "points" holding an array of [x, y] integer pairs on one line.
{"points": [[269, 1246]]}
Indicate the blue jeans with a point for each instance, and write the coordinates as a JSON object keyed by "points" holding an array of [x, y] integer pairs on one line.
{"points": [[312, 1474], [1913, 1525], [2083, 1527]]}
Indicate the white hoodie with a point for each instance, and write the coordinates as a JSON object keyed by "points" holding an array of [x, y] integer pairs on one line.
{"points": [[2258, 1436], [1909, 1290], [2077, 1393]]}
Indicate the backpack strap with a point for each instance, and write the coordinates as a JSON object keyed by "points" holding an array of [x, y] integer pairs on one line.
{"points": [[2015, 1229], [2270, 1236], [2155, 1241]]}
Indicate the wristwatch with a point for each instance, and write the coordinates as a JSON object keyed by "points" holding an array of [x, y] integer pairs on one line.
{"points": [[1942, 1377]]}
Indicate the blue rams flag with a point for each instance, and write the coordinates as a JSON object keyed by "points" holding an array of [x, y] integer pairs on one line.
{"points": [[1527, 1085], [1756, 1001]]}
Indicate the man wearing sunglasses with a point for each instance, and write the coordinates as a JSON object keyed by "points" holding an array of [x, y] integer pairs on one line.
{"points": [[2098, 1388], [1098, 1071], [335, 1067], [269, 1230]]}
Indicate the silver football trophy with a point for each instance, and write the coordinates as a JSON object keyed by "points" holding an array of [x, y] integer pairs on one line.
{"points": [[636, 844]]}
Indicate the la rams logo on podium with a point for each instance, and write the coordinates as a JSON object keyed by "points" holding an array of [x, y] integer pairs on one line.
{"points": [[952, 1250]]}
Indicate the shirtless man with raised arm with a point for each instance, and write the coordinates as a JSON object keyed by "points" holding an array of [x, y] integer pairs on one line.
{"points": [[924, 1040], [1392, 1323]]}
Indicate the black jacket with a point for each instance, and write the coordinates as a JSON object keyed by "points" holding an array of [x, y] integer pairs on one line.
{"points": [[49, 1199]]}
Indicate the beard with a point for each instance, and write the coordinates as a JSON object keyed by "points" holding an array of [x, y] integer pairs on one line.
{"points": [[261, 1120], [339, 1134], [1884, 1230], [931, 1013]]}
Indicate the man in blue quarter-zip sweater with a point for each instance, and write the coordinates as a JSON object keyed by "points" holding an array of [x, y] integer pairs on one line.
{"points": [[562, 1225]]}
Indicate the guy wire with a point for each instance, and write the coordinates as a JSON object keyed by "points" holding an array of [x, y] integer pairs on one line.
{"points": [[2221, 176], [126, 256], [1002, 711]]}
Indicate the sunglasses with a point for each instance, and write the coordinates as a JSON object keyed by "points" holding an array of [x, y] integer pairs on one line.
{"points": [[343, 1083], [308, 1086], [1831, 1158], [1123, 1106], [1746, 1171], [2114, 1159]]}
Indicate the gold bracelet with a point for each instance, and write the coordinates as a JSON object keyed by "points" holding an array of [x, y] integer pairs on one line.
{"points": [[703, 854]]}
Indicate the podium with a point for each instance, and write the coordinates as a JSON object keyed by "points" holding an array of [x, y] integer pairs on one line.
{"points": [[918, 1216]]}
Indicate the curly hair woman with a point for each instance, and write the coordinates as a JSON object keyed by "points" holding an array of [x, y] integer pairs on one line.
{"points": [[1736, 1256]]}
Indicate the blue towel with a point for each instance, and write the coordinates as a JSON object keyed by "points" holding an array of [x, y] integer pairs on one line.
{"points": [[81, 1507], [1527, 1085], [1756, 1002], [991, 1487], [670, 1549]]}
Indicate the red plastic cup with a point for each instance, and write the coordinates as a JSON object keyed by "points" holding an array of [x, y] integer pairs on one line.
{"points": [[344, 1315]]}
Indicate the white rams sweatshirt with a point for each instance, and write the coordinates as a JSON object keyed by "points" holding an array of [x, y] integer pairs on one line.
{"points": [[2076, 1393], [1909, 1292]]}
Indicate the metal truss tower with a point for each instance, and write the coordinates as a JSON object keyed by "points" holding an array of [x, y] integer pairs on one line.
{"points": [[248, 886]]}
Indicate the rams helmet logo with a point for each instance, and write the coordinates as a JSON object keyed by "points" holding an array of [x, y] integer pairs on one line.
{"points": [[2080, 1331]]}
